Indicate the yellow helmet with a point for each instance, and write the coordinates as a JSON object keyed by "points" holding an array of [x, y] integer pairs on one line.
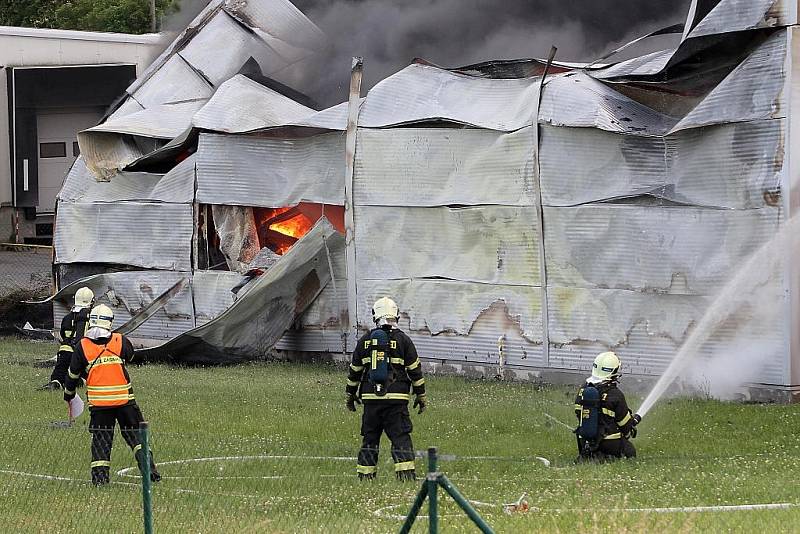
{"points": [[385, 308], [101, 316], [606, 366], [84, 298]]}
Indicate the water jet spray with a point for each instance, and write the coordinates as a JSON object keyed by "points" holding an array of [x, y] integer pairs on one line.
{"points": [[755, 273]]}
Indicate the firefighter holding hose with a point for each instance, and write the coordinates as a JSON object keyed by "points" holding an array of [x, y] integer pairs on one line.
{"points": [[605, 423], [385, 369]]}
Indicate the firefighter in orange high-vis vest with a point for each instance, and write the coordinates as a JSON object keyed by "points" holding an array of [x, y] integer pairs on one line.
{"points": [[103, 355]]}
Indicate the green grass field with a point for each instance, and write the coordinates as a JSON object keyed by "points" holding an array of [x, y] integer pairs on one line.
{"points": [[282, 447]]}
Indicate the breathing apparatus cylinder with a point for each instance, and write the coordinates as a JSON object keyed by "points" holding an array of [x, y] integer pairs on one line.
{"points": [[588, 430], [379, 366]]}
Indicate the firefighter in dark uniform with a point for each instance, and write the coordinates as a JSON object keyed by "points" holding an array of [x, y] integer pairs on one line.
{"points": [[384, 370], [103, 355], [73, 328], [605, 423]]}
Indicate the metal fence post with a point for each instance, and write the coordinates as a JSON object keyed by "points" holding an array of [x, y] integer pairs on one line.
{"points": [[147, 502], [433, 486]]}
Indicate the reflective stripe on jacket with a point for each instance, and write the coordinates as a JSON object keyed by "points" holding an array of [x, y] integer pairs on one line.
{"points": [[108, 384]]}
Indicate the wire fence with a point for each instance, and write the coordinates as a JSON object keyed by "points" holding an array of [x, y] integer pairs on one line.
{"points": [[205, 483], [209, 482], [25, 274]]}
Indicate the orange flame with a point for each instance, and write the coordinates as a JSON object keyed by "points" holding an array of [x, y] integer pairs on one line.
{"points": [[296, 227], [279, 230]]}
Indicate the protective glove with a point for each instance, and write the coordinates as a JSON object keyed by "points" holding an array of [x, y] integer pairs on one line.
{"points": [[422, 402], [632, 433], [352, 400], [68, 396]]}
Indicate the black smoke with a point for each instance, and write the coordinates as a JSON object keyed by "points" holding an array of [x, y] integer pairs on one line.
{"points": [[390, 33]]}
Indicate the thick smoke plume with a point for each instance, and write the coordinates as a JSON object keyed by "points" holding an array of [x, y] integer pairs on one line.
{"points": [[391, 33]]}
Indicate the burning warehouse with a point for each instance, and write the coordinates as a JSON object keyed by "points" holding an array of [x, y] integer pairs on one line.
{"points": [[520, 223]]}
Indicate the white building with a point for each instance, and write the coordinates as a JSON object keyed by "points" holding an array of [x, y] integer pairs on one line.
{"points": [[53, 84]]}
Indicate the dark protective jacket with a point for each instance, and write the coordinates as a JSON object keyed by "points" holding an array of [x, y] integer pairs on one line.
{"points": [[406, 370], [616, 420], [104, 360], [73, 327]]}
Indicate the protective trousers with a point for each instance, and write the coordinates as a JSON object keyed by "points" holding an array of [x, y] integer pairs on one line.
{"points": [[608, 449], [101, 426], [59, 373], [393, 419]]}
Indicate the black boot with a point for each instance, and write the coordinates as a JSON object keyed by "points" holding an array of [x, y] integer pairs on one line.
{"points": [[406, 476], [155, 476], [366, 476], [100, 476]]}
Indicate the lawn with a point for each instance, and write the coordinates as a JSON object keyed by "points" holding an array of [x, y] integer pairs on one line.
{"points": [[273, 449]]}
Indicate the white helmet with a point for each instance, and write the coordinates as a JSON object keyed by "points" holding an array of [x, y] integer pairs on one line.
{"points": [[606, 366], [101, 317], [385, 309], [84, 298]]}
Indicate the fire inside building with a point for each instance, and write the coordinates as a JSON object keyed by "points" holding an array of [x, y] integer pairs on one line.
{"points": [[526, 215]]}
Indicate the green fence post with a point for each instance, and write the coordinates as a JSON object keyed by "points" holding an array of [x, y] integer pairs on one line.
{"points": [[433, 485], [465, 505], [412, 514], [147, 503]]}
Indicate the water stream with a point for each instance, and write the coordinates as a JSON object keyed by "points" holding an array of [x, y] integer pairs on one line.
{"points": [[754, 274]]}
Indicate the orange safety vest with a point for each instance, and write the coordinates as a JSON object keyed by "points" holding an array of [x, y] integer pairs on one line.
{"points": [[107, 384]]}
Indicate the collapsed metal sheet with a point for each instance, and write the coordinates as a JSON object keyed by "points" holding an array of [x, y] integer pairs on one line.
{"points": [[270, 172], [440, 306], [149, 235], [422, 93], [164, 121], [128, 292], [174, 81], [440, 167], [488, 244], [739, 15], [218, 63], [176, 186], [252, 325], [577, 99], [109, 147], [754, 90], [676, 250], [127, 107], [106, 153], [242, 105], [281, 25], [333, 118], [729, 166], [212, 294], [329, 310], [645, 65]]}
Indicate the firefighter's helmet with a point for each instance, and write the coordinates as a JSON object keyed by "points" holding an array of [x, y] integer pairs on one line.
{"points": [[101, 317], [84, 298], [606, 366], [383, 309]]}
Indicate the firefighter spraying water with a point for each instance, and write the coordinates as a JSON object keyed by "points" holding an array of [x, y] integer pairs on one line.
{"points": [[605, 424]]}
